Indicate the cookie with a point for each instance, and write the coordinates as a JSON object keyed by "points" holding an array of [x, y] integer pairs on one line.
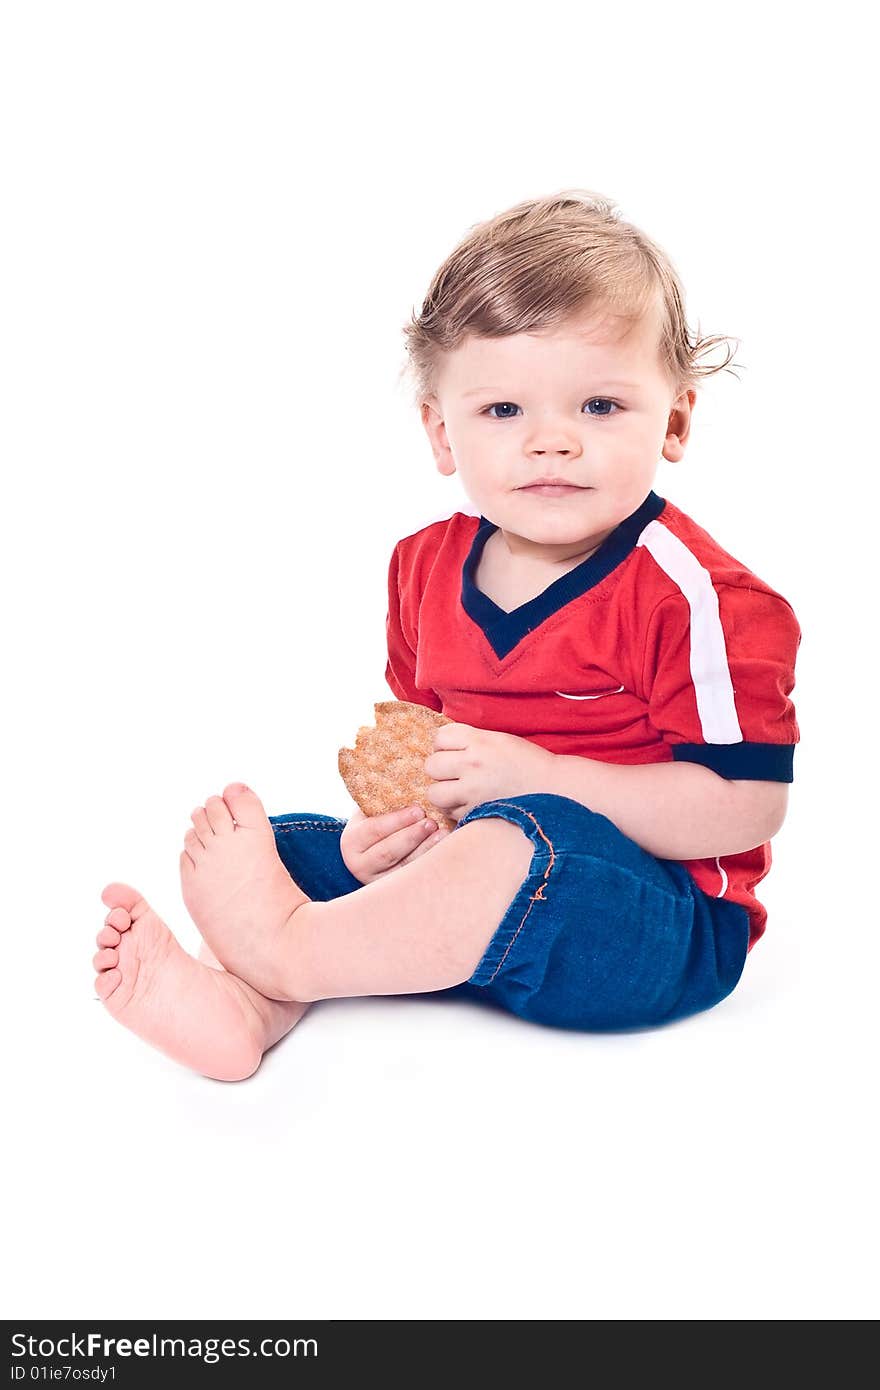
{"points": [[385, 769]]}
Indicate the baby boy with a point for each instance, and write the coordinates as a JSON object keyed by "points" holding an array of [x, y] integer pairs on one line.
{"points": [[622, 738]]}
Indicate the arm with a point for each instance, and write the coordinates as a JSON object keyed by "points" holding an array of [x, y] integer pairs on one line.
{"points": [[674, 810], [400, 669], [717, 671], [718, 696]]}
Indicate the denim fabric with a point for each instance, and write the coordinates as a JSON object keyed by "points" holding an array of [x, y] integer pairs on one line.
{"points": [[600, 936], [308, 844]]}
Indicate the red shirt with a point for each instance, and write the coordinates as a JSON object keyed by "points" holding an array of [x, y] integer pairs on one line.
{"points": [[659, 647]]}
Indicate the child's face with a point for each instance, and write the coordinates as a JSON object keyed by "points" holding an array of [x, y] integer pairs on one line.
{"points": [[582, 403]]}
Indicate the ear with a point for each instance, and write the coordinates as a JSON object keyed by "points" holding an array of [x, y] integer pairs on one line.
{"points": [[678, 426], [436, 432]]}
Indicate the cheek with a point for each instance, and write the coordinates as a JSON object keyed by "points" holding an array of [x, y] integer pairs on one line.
{"points": [[628, 453], [482, 477]]}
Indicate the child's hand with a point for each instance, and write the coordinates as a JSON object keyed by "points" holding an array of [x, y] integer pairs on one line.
{"points": [[474, 765], [371, 846]]}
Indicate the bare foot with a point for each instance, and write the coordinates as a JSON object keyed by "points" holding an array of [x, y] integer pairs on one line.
{"points": [[205, 1018], [236, 888]]}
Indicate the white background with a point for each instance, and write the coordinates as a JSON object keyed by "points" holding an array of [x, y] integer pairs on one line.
{"points": [[218, 218]]}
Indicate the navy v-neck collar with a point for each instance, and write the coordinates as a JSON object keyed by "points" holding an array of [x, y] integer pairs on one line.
{"points": [[503, 630]]}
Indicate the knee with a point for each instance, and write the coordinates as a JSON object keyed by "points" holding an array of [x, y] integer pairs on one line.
{"points": [[499, 841], [496, 857]]}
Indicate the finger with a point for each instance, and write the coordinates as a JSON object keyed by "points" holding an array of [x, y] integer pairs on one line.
{"points": [[429, 843], [377, 828], [398, 846], [452, 736], [443, 766], [445, 795]]}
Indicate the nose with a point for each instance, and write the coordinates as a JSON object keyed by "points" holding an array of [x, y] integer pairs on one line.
{"points": [[548, 438], [562, 453]]}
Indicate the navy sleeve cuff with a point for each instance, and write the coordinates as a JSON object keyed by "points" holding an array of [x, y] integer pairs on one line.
{"points": [[746, 762]]}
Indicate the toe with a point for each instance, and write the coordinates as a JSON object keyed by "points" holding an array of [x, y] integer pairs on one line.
{"points": [[108, 936], [219, 815], [107, 959], [107, 982], [123, 895], [186, 864], [245, 805], [202, 825], [118, 918], [193, 845]]}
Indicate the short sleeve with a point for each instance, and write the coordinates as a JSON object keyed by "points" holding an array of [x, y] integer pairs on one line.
{"points": [[718, 673], [402, 638]]}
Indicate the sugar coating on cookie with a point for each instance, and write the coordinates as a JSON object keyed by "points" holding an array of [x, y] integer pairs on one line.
{"points": [[385, 769]]}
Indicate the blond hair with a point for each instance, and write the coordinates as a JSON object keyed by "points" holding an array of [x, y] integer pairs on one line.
{"points": [[533, 267]]}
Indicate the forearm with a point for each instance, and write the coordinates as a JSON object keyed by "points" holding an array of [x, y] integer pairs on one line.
{"points": [[673, 810]]}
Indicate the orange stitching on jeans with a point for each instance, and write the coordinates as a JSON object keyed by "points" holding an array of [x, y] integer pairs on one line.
{"points": [[536, 897]]}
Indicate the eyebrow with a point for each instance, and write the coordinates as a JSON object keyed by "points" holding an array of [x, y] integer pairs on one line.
{"points": [[493, 390]]}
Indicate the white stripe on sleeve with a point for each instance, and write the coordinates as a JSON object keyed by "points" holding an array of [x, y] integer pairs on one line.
{"points": [[723, 872], [710, 672]]}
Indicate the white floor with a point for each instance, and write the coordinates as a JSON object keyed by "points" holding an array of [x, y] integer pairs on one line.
{"points": [[409, 1157]]}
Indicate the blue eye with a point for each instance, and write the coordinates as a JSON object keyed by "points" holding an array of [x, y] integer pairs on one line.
{"points": [[601, 416]]}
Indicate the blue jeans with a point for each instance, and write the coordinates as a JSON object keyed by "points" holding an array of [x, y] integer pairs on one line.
{"points": [[601, 935]]}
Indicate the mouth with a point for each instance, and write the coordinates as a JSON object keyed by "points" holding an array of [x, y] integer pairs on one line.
{"points": [[553, 489]]}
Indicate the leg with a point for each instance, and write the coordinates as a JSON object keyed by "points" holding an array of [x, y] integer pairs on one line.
{"points": [[278, 1016], [201, 1016], [206, 955], [425, 927], [422, 928], [537, 904], [207, 1019]]}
